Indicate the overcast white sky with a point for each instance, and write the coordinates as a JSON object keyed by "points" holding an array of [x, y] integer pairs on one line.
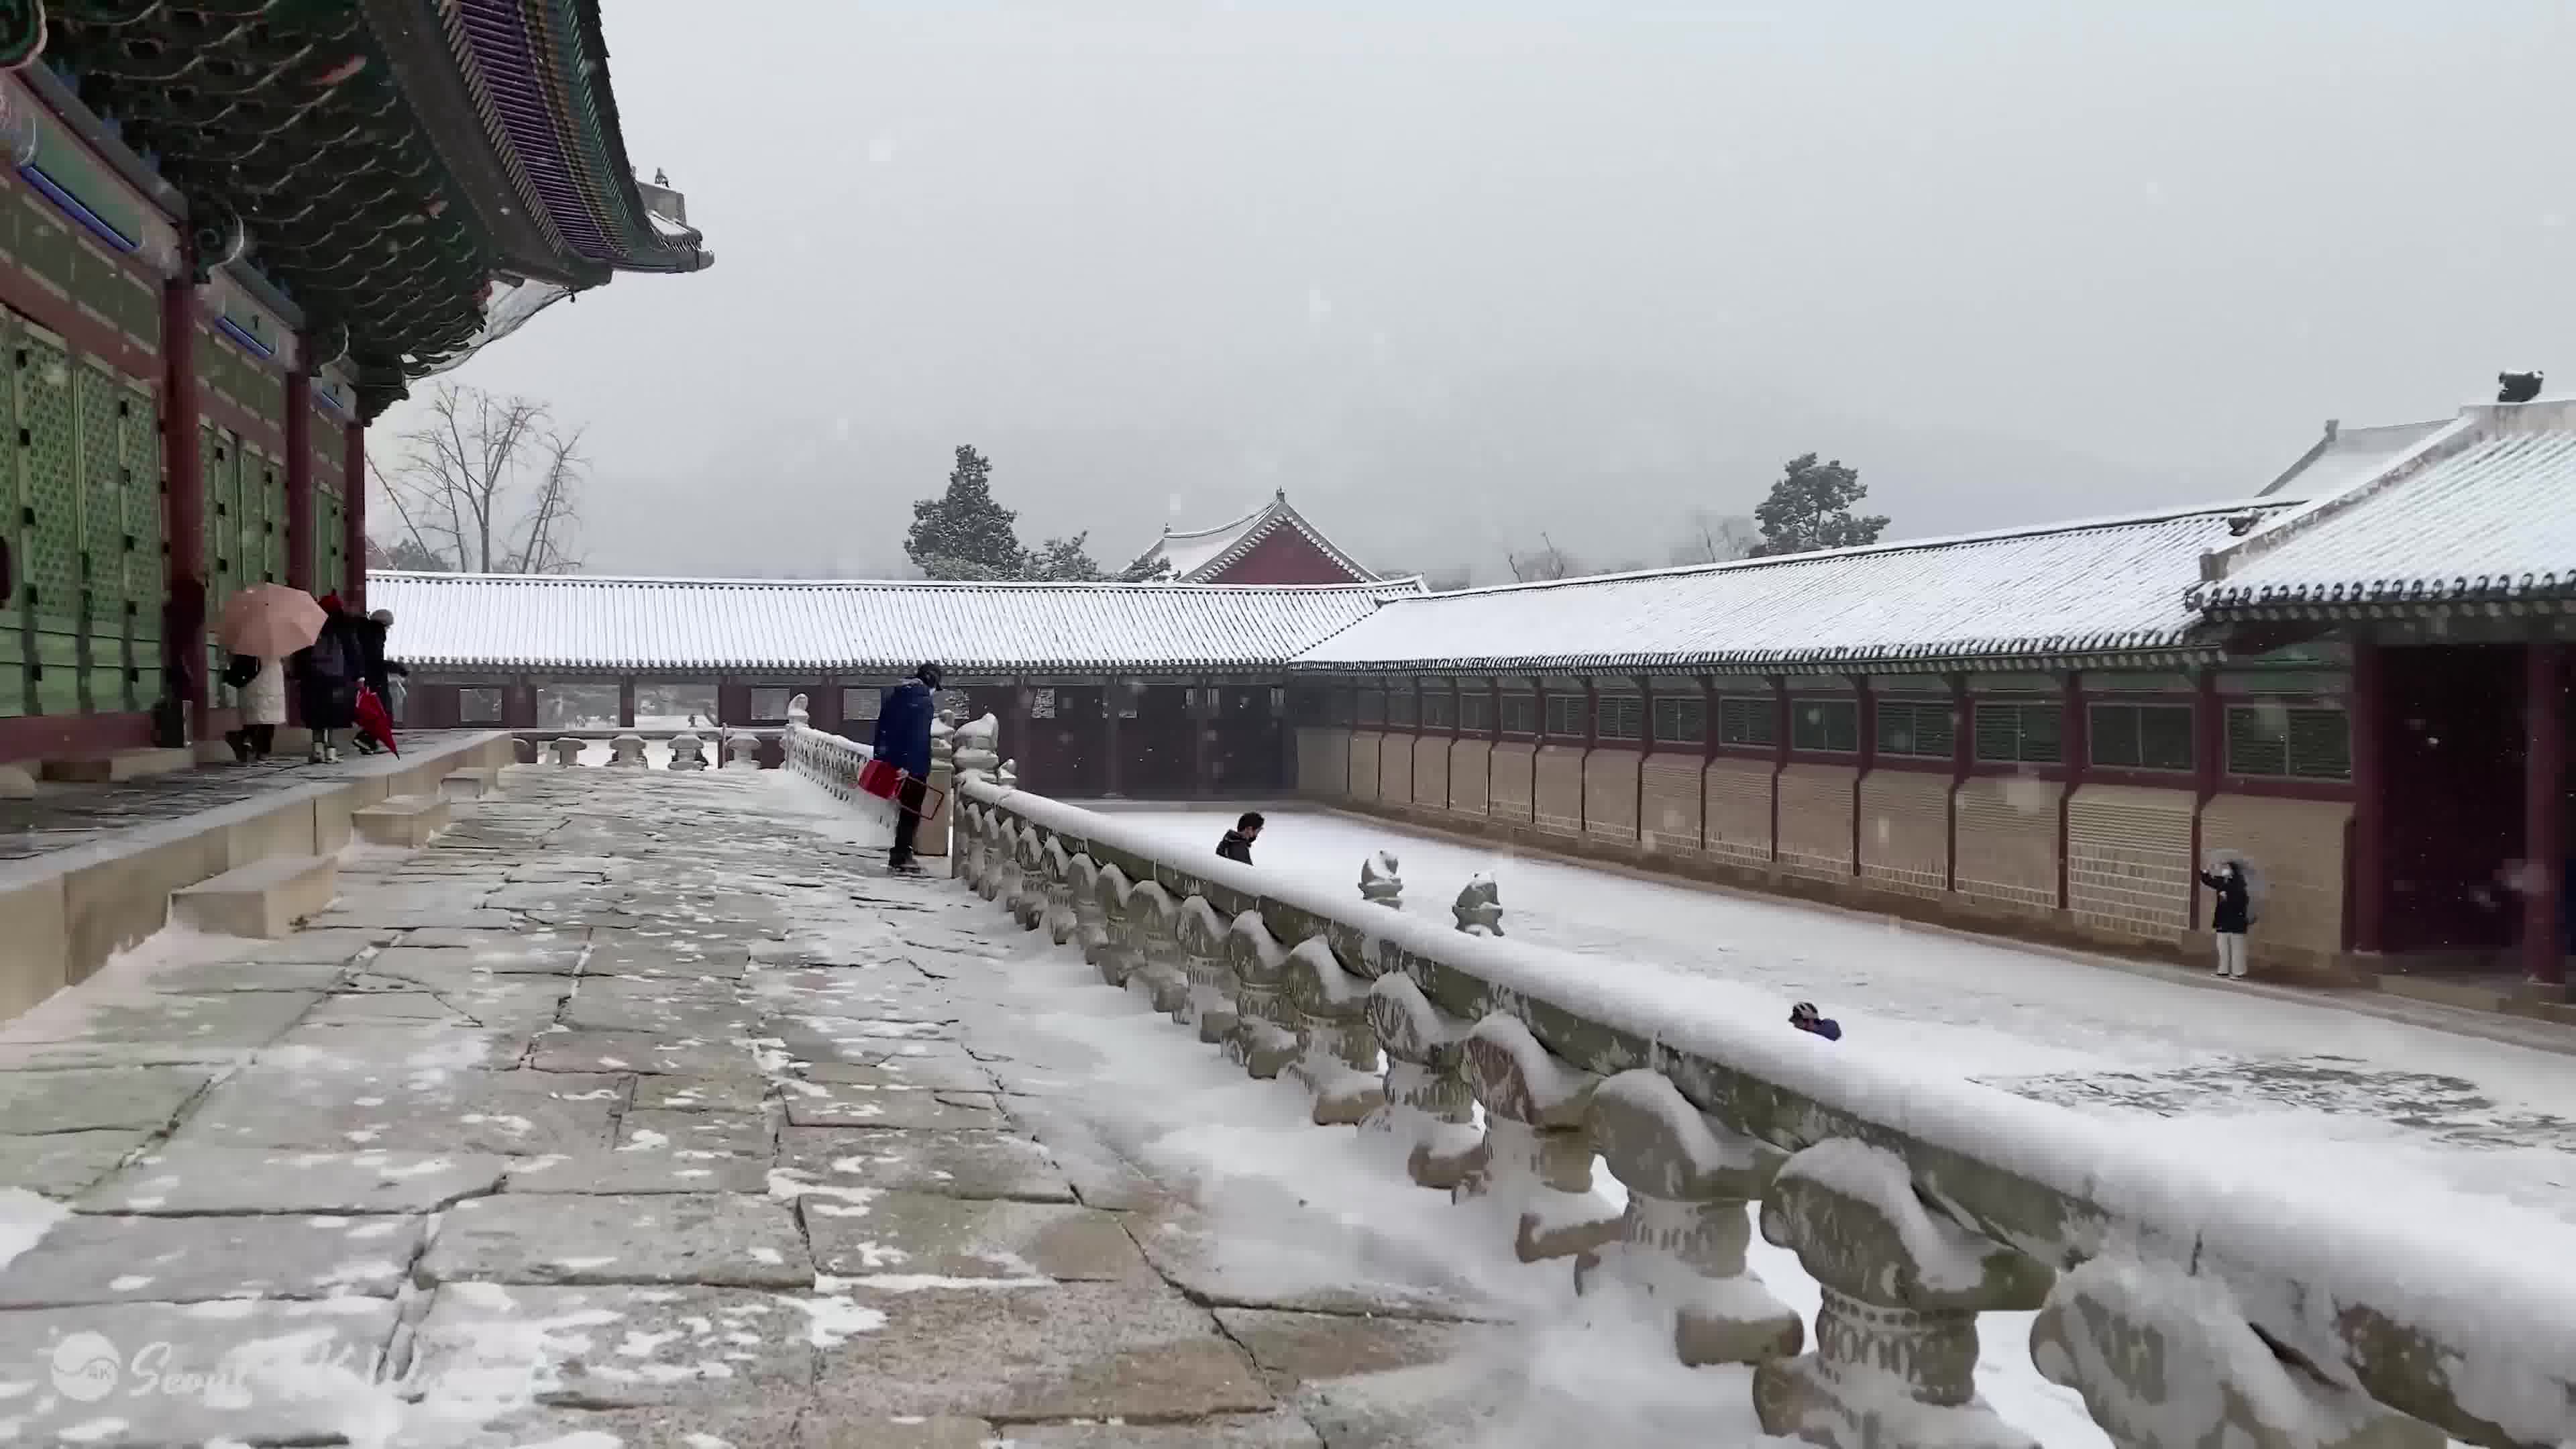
{"points": [[1454, 274]]}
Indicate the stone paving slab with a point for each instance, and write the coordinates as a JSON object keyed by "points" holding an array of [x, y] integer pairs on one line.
{"points": [[616, 1345], [959, 1164], [1072, 1350], [682, 1093], [773, 1425], [639, 1172], [501, 950], [712, 1238], [92, 1259], [227, 1019], [842, 1104], [584, 1050], [413, 918], [918, 1074], [86, 1099], [601, 1005], [419, 1046], [948, 1237], [185, 1177], [441, 968], [525, 1113], [634, 953], [1292, 1349], [268, 1368], [1282, 1430], [64, 1164]]}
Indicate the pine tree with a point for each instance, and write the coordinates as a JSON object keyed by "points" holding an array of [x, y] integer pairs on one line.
{"points": [[1811, 508], [963, 533]]}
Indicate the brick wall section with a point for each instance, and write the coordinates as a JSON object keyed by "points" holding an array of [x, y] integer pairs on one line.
{"points": [[1395, 769], [1364, 752], [1738, 810], [1507, 795], [1816, 820], [1905, 831], [1467, 766], [1431, 771], [2128, 860], [1557, 790], [1671, 791], [1324, 762], [1610, 795], [2296, 847], [2008, 841]]}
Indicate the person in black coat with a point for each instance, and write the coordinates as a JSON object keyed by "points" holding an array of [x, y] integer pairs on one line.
{"points": [[902, 740], [373, 667], [326, 677], [2234, 912], [1237, 844]]}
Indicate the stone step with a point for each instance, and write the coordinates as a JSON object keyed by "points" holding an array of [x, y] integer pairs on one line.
{"points": [[263, 899], [122, 765], [404, 820], [471, 784]]}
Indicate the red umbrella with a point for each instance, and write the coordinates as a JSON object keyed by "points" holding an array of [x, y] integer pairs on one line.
{"points": [[378, 725]]}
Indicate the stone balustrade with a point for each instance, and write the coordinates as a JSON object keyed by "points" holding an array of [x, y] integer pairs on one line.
{"points": [[2185, 1310], [733, 748]]}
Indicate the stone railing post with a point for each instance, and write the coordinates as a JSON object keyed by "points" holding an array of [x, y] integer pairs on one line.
{"points": [[685, 752], [1536, 1162], [1002, 881], [972, 747], [1210, 1006], [932, 838], [567, 752], [1337, 1048], [1009, 778], [742, 752], [1428, 1116], [1479, 907], [1896, 1339], [1262, 1041], [1379, 883], [1691, 1188], [627, 750], [1154, 929], [1027, 899], [1117, 954], [1090, 922], [1058, 914]]}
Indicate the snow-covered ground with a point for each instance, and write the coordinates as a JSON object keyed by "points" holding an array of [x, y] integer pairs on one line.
{"points": [[2473, 1135]]}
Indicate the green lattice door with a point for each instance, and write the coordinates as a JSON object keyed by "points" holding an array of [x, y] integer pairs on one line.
{"points": [[109, 541], [17, 535], [264, 479], [49, 570], [147, 565], [219, 455], [330, 527]]}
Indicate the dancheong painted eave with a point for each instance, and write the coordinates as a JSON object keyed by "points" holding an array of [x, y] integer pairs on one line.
{"points": [[2098, 592], [579, 623], [2480, 513]]}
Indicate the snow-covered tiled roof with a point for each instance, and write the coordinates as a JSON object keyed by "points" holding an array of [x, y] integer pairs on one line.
{"points": [[2109, 586], [522, 622], [1198, 556], [2482, 510]]}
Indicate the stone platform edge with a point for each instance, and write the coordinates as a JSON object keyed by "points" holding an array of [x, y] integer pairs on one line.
{"points": [[62, 914]]}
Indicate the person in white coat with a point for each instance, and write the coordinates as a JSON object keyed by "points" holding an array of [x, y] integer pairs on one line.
{"points": [[263, 709]]}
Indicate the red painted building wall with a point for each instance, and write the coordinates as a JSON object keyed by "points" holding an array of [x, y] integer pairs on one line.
{"points": [[1284, 557]]}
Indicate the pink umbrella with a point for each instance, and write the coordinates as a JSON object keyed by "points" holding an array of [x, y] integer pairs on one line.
{"points": [[269, 621]]}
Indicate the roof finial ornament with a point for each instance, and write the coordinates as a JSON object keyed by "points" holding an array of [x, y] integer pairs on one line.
{"points": [[661, 177], [1279, 493], [2517, 387]]}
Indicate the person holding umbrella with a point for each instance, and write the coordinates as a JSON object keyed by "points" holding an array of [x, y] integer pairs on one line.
{"points": [[262, 625], [327, 674]]}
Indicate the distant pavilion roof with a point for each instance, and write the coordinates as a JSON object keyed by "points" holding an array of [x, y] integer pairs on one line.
{"points": [[2062, 596], [1198, 557], [497, 621], [2479, 511], [387, 159]]}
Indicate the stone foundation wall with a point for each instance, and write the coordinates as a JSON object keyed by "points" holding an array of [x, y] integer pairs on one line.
{"points": [[1431, 771], [1364, 771], [1905, 831], [1738, 811], [2128, 860], [1511, 786], [1468, 762], [1669, 787], [1816, 820], [1324, 762], [2007, 842], [1557, 794], [1610, 795], [1395, 769]]}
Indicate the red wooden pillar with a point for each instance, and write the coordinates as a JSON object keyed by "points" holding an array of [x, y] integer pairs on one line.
{"points": [[2365, 707], [183, 477], [823, 711], [1865, 745], [299, 476], [626, 702], [1113, 705], [2208, 763], [1583, 762], [2074, 750], [1023, 725], [353, 491], [1645, 747], [1963, 763], [1779, 752], [2544, 813], [1708, 743], [1202, 716]]}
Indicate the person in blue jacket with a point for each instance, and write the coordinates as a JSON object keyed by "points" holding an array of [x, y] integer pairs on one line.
{"points": [[1806, 1018], [903, 741]]}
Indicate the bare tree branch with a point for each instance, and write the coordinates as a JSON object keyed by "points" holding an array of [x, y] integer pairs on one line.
{"points": [[488, 477]]}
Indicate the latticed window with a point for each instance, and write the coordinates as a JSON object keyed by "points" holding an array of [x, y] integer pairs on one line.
{"points": [[1372, 708], [1680, 719], [480, 705], [1341, 707], [2289, 742], [1564, 716], [769, 702], [859, 702], [1476, 710], [2140, 736], [1924, 729], [1402, 708], [1752, 721], [2020, 734], [1439, 709], [1622, 717], [1520, 714], [1829, 726]]}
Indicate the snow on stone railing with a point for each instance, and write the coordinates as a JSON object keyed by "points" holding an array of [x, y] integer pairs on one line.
{"points": [[2185, 1309]]}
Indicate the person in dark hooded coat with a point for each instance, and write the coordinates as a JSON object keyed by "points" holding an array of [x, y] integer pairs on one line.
{"points": [[902, 740], [327, 675]]}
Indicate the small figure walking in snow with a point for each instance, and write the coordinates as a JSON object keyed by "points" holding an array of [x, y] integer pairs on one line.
{"points": [[1806, 1018], [2234, 912]]}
